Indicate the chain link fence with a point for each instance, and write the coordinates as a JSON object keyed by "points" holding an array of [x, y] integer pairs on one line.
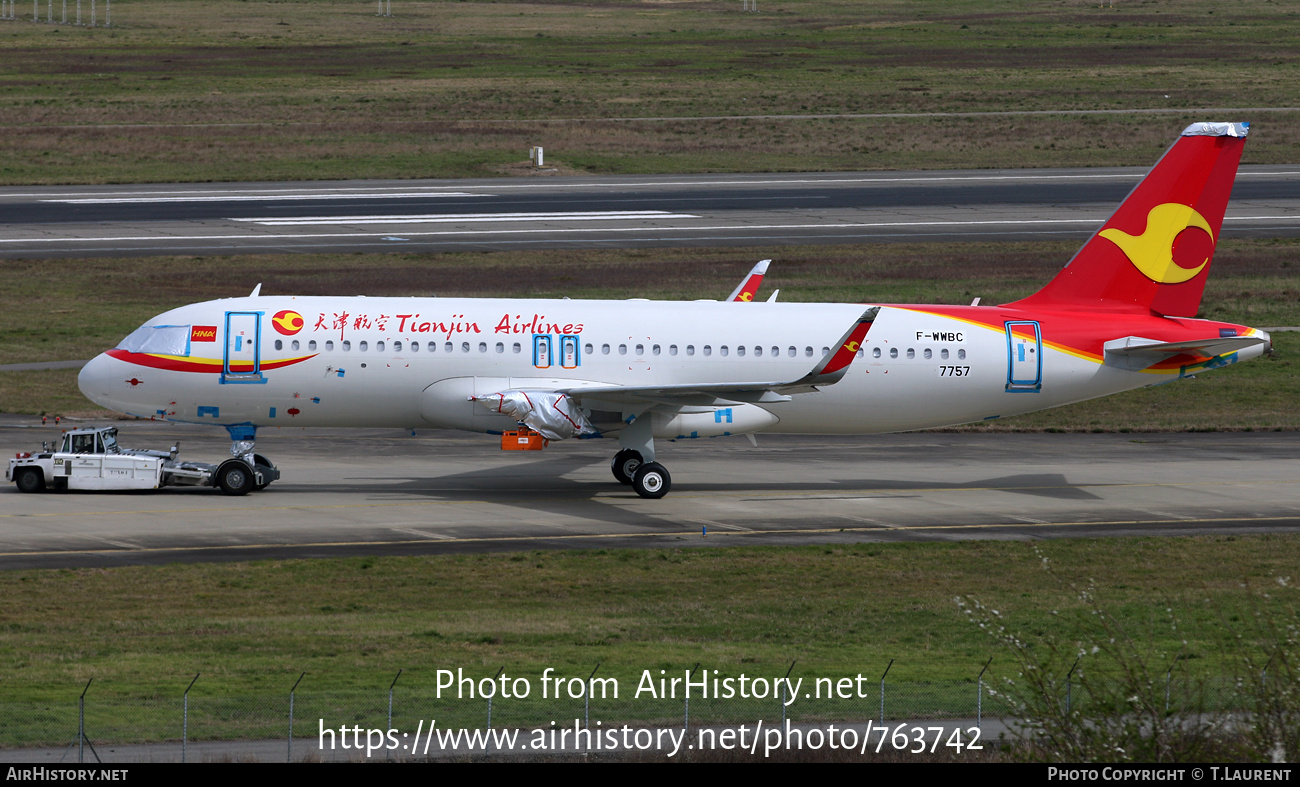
{"points": [[203, 724]]}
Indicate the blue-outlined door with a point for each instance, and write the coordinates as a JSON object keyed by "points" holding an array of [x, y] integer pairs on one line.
{"points": [[569, 357], [243, 356], [542, 350], [1024, 356]]}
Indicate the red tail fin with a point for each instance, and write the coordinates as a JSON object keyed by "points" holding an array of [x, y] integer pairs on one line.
{"points": [[1154, 253]]}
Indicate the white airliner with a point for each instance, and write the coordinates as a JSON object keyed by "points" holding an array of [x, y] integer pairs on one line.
{"points": [[1118, 316]]}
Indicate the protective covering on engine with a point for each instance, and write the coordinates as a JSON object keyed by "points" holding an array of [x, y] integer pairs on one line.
{"points": [[552, 415]]}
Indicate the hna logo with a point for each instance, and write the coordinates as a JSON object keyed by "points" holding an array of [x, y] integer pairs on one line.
{"points": [[203, 333], [1152, 252], [287, 322]]}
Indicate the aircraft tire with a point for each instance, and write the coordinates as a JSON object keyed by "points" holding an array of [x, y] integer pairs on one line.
{"points": [[30, 480], [235, 477], [625, 464], [652, 481]]}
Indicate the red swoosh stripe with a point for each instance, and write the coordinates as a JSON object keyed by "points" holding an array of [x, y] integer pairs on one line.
{"points": [[176, 363]]}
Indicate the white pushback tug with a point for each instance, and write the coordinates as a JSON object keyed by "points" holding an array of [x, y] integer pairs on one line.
{"points": [[90, 458]]}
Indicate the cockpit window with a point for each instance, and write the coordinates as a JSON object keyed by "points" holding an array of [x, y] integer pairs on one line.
{"points": [[159, 339]]}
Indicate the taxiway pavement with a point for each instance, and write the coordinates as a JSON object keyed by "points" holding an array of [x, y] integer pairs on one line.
{"points": [[352, 492]]}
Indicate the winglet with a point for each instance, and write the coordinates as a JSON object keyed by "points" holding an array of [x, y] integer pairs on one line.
{"points": [[747, 290], [835, 365]]}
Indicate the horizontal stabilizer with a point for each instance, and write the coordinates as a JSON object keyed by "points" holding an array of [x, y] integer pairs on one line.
{"points": [[1136, 353]]}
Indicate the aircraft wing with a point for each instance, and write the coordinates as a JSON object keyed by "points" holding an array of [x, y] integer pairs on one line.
{"points": [[830, 369]]}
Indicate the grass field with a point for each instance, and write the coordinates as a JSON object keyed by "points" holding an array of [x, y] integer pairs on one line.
{"points": [[353, 623], [74, 309], [235, 90]]}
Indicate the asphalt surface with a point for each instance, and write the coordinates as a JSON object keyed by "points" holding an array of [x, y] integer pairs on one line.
{"points": [[615, 211], [355, 492]]}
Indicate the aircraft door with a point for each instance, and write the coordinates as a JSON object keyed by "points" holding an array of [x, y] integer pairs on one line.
{"points": [[541, 351], [1024, 357], [243, 353], [569, 352]]}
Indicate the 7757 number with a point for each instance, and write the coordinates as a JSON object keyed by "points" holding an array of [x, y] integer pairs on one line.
{"points": [[954, 371]]}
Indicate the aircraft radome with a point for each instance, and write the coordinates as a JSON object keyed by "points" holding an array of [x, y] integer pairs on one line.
{"points": [[1118, 316]]}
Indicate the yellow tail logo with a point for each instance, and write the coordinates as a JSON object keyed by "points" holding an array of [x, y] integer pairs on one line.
{"points": [[1152, 252]]}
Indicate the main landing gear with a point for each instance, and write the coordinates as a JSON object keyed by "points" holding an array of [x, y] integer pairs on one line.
{"points": [[649, 479], [635, 465]]}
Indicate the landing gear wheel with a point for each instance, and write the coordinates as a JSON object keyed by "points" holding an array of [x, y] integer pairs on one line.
{"points": [[235, 477], [625, 464], [652, 481], [264, 467], [31, 480]]}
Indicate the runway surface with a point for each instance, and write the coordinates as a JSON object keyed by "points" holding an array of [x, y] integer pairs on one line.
{"points": [[353, 492], [622, 211]]}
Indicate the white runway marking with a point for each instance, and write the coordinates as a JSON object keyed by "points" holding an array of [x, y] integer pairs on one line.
{"points": [[244, 197], [452, 218]]}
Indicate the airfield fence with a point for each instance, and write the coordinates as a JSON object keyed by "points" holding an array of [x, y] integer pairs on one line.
{"points": [[201, 724]]}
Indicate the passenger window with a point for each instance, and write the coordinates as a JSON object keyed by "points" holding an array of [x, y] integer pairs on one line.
{"points": [[893, 352], [640, 350], [516, 348], [928, 353], [655, 350], [961, 355], [826, 351], [329, 346], [347, 346], [464, 347], [740, 351], [587, 348], [482, 347], [875, 352], [672, 349], [294, 345], [690, 349], [311, 345], [279, 345], [792, 352], [758, 352], [622, 349], [776, 352], [415, 347], [363, 346], [379, 347], [501, 347], [604, 349], [807, 351], [708, 350], [911, 353], [944, 353], [723, 350]]}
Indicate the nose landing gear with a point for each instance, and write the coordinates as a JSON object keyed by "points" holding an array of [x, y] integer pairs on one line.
{"points": [[259, 472]]}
